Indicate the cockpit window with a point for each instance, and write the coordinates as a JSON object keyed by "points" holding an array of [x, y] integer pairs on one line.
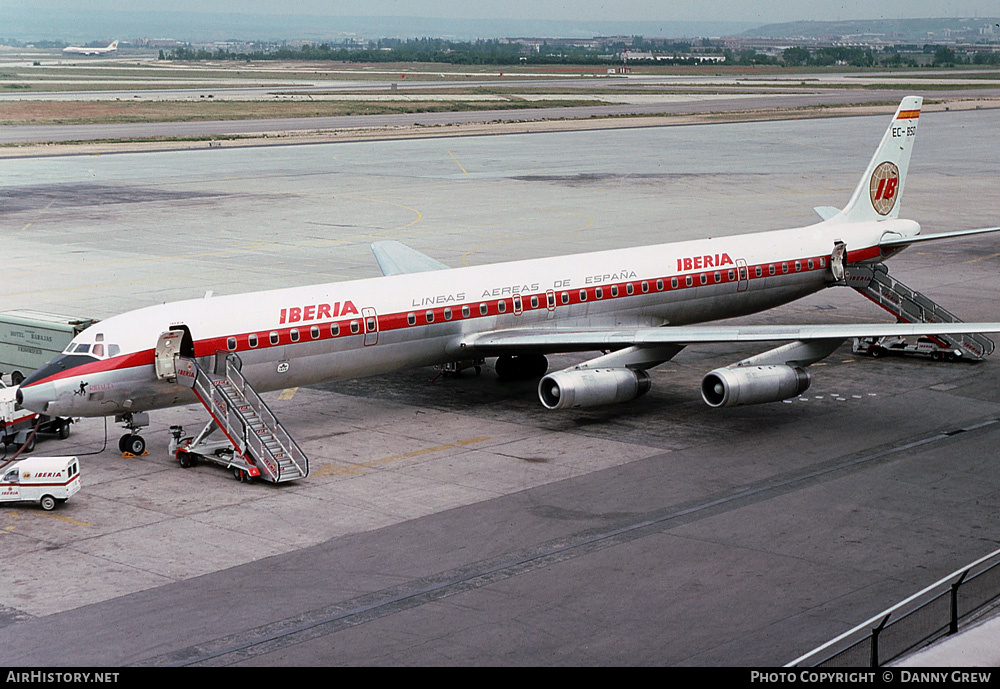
{"points": [[98, 350]]}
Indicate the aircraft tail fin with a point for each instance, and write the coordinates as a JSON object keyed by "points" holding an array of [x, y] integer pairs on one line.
{"points": [[877, 194]]}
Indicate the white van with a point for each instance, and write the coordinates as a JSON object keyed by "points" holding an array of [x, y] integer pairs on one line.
{"points": [[48, 481]]}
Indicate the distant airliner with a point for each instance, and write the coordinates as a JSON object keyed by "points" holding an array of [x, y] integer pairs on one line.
{"points": [[639, 306], [76, 50]]}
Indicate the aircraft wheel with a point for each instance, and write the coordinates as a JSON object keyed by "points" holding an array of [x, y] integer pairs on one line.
{"points": [[242, 476], [521, 367], [63, 430], [48, 503], [135, 444], [877, 352]]}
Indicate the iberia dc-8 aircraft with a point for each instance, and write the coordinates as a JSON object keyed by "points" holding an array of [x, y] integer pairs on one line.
{"points": [[638, 306]]}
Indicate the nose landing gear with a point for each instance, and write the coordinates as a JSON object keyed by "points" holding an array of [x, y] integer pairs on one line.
{"points": [[132, 444]]}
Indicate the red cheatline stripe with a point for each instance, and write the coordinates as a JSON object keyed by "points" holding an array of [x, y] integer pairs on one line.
{"points": [[908, 115]]}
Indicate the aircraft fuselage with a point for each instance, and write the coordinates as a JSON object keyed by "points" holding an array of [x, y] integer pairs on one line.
{"points": [[304, 335]]}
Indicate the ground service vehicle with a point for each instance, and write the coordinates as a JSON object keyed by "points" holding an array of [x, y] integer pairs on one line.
{"points": [[49, 481], [29, 339]]}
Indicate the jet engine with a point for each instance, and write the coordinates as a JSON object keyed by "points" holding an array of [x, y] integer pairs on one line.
{"points": [[591, 387], [728, 387]]}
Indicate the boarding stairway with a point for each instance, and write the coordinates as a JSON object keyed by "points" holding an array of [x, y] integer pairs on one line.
{"points": [[910, 306], [259, 441]]}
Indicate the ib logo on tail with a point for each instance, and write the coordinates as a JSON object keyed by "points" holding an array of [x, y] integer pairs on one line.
{"points": [[885, 181]]}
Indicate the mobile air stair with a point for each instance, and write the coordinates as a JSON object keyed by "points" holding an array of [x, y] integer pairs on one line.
{"points": [[255, 444], [910, 306]]}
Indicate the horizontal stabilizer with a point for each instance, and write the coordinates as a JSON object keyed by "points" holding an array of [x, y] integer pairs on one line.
{"points": [[889, 240], [395, 258], [826, 212]]}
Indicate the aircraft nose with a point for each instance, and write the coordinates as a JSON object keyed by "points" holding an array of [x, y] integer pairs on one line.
{"points": [[36, 397]]}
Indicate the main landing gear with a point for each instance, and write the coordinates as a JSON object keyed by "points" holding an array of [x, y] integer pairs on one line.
{"points": [[132, 443]]}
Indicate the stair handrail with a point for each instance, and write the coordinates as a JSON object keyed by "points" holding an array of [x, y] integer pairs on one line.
{"points": [[292, 450]]}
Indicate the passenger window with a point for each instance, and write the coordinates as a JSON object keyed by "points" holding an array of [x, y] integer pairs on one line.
{"points": [[273, 337], [411, 318], [252, 340], [502, 306], [731, 275], [314, 332], [564, 297], [659, 285], [614, 290], [466, 312], [447, 317], [484, 309], [583, 295], [629, 289], [231, 344], [429, 316], [673, 283], [355, 327], [294, 334], [334, 329], [688, 281], [599, 293], [534, 302]]}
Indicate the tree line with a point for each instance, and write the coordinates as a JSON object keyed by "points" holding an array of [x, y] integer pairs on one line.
{"points": [[496, 52]]}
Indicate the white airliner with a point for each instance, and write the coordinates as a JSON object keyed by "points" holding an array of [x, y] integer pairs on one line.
{"points": [[640, 306], [76, 50]]}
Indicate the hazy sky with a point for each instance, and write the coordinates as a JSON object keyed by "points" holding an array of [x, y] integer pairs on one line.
{"points": [[588, 10]]}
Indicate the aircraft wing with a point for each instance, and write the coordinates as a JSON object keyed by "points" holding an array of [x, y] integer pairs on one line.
{"points": [[395, 258], [577, 340]]}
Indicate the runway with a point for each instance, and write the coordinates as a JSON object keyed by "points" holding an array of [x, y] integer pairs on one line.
{"points": [[455, 522], [639, 95]]}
